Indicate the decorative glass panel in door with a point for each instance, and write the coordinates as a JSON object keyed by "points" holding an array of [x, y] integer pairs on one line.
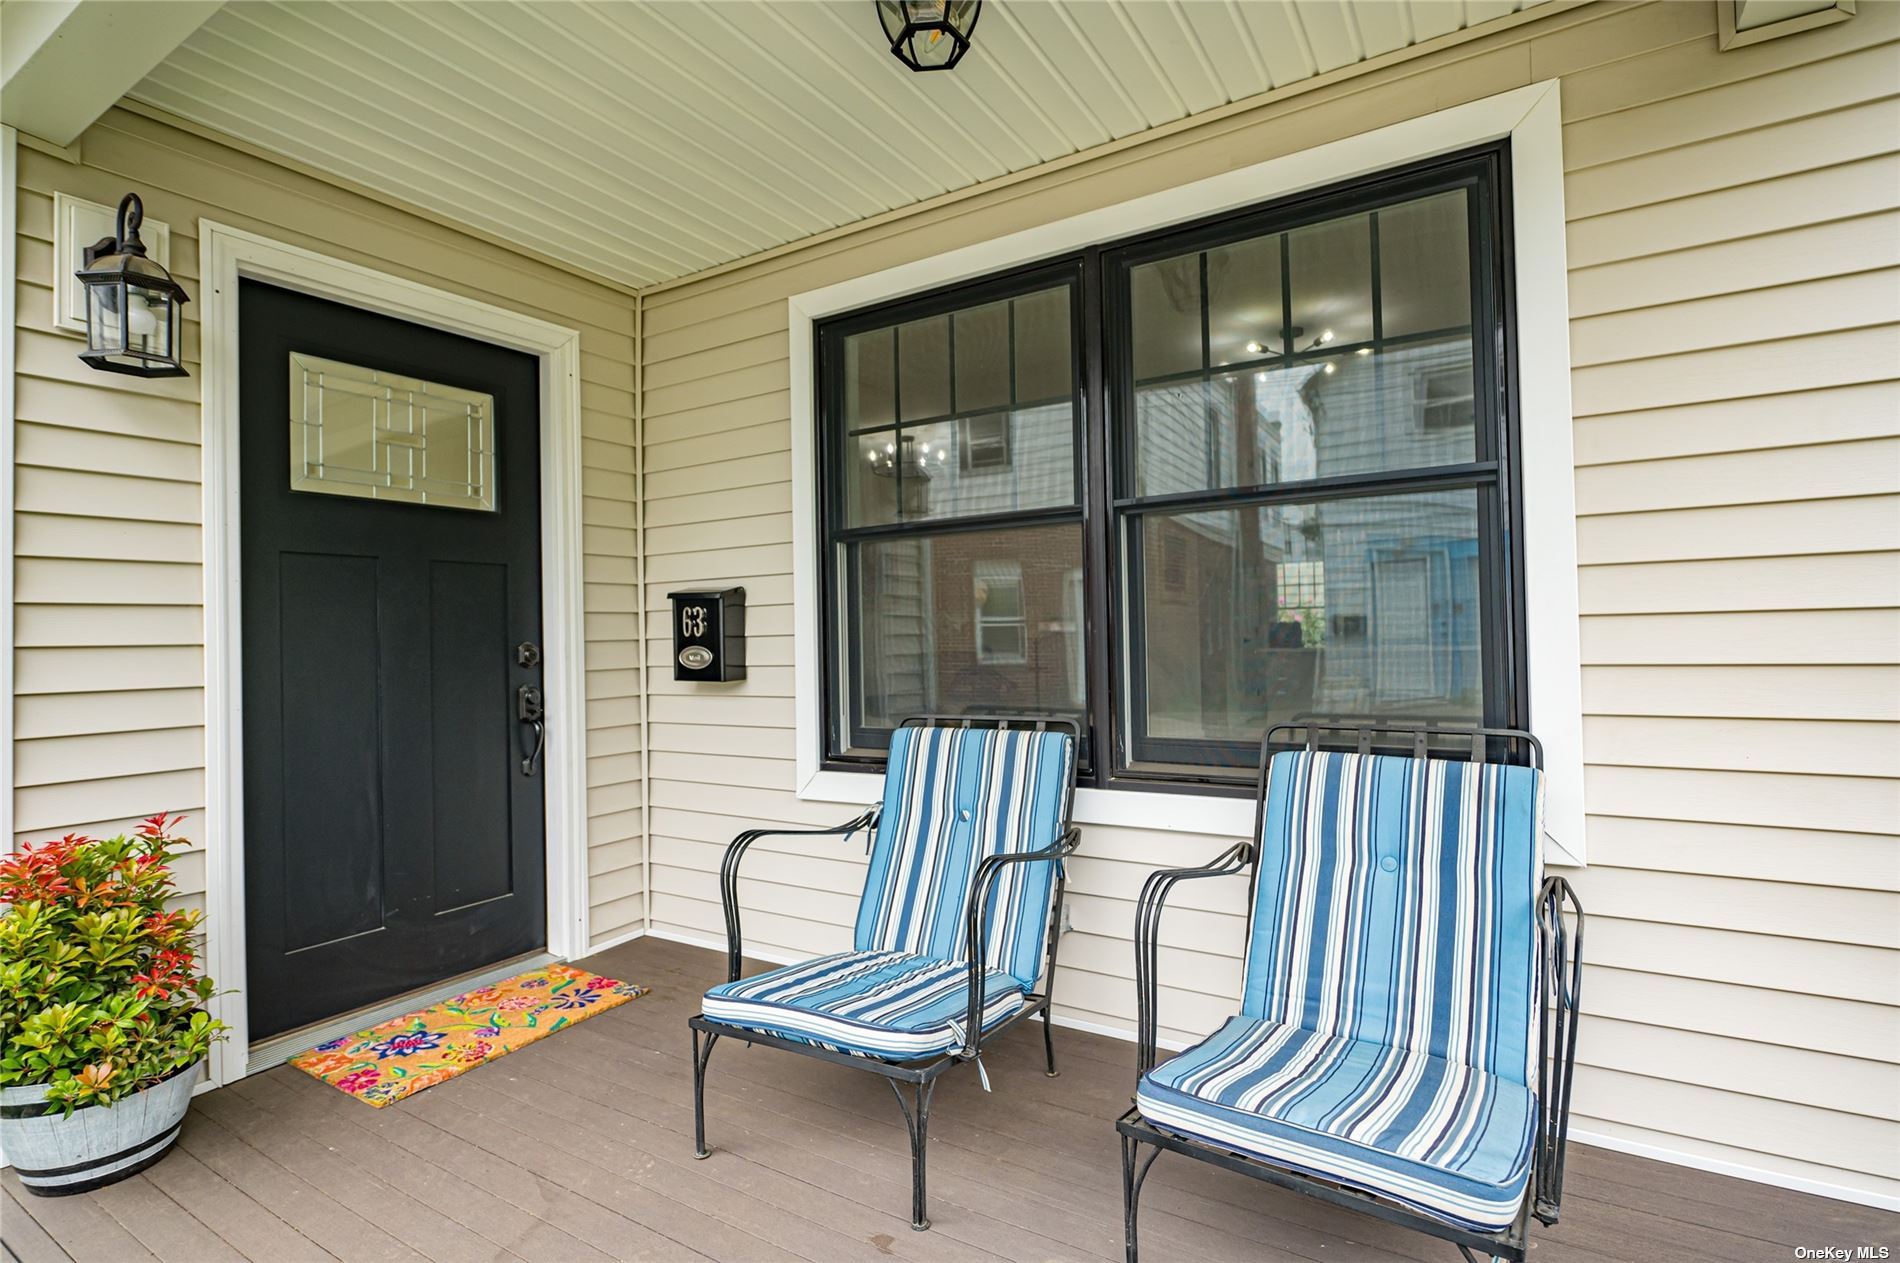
{"points": [[358, 431]]}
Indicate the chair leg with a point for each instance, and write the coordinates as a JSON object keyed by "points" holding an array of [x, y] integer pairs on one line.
{"points": [[700, 1058], [1049, 1044], [917, 1122], [1133, 1177]]}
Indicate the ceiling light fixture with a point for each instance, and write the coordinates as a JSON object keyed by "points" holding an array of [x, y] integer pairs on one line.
{"points": [[929, 34]]}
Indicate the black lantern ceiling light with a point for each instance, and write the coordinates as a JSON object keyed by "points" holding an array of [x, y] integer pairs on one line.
{"points": [[131, 303], [929, 34]]}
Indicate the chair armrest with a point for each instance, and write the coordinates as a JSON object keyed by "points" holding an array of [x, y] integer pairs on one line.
{"points": [[729, 874], [1560, 966], [1154, 896], [977, 925]]}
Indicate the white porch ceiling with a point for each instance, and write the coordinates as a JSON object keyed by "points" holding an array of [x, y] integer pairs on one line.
{"points": [[644, 141]]}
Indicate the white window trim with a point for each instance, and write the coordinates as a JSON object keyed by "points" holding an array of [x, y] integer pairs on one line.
{"points": [[1530, 118], [227, 255]]}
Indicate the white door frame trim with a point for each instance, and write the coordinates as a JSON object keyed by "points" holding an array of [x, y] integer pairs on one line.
{"points": [[1530, 118], [226, 255], [9, 359]]}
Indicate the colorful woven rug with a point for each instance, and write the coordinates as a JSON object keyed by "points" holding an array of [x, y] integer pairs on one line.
{"points": [[417, 1050]]}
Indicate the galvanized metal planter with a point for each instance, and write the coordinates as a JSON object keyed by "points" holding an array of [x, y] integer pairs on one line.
{"points": [[56, 1154]]}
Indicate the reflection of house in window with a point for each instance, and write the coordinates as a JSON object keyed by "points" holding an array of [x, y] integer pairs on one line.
{"points": [[1423, 634], [1303, 601], [985, 442], [1001, 633]]}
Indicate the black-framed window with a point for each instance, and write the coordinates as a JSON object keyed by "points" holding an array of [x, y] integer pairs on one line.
{"points": [[1187, 485]]}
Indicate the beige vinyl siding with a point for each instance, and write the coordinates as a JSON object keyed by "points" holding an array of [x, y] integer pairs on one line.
{"points": [[1733, 240], [110, 632]]}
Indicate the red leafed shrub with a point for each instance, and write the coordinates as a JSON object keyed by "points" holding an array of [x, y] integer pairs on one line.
{"points": [[98, 992]]}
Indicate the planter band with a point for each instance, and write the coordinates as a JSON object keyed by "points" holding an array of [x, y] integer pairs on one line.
{"points": [[84, 1177]]}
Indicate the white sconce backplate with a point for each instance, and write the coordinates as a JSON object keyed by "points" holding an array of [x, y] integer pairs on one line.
{"points": [[78, 223]]}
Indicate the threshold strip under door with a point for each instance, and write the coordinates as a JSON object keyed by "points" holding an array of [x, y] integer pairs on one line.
{"points": [[280, 1048]]}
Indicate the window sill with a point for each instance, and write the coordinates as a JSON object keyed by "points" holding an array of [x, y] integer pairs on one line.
{"points": [[1205, 814]]}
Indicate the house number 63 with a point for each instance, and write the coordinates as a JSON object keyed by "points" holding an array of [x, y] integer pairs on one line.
{"points": [[693, 620]]}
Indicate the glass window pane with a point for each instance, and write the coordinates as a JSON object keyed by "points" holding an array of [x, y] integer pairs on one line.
{"points": [[1001, 632], [993, 463], [982, 336], [1009, 445], [1244, 315], [1425, 265], [1045, 355], [1165, 301], [1331, 272], [356, 431], [1256, 615], [1404, 407], [999, 591], [1000, 644], [923, 368], [1174, 438], [972, 622], [869, 389], [984, 442]]}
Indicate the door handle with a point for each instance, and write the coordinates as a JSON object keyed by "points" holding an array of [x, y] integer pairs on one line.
{"points": [[530, 710]]}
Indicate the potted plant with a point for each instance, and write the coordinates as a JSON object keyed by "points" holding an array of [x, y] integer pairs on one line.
{"points": [[102, 1019]]}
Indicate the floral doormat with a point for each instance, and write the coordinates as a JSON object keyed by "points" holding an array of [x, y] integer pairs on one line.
{"points": [[418, 1050]]}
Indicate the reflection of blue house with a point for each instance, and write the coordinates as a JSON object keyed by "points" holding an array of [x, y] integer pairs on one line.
{"points": [[1422, 625]]}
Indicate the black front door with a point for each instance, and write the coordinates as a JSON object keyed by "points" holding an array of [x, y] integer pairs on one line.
{"points": [[393, 826]]}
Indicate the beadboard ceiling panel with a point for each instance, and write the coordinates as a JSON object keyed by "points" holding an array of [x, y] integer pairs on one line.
{"points": [[645, 141]]}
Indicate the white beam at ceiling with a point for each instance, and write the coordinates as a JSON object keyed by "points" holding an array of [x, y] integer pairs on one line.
{"points": [[63, 63]]}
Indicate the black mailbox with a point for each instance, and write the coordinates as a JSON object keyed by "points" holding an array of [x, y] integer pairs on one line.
{"points": [[709, 635]]}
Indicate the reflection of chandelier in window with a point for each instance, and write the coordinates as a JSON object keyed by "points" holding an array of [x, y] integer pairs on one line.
{"points": [[915, 457], [908, 461]]}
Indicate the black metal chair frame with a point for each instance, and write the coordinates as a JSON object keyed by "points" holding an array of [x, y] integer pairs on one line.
{"points": [[1560, 961], [917, 1078]]}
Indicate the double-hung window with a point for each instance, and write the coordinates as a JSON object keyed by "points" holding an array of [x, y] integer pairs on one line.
{"points": [[1186, 486]]}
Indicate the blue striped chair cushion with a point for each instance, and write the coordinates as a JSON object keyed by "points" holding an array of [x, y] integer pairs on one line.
{"points": [[951, 797], [893, 1005], [1394, 905], [1445, 1138]]}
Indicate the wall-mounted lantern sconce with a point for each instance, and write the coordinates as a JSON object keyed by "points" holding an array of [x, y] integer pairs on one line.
{"points": [[132, 303], [929, 34]]}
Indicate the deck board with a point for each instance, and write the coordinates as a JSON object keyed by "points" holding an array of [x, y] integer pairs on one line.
{"points": [[579, 1148]]}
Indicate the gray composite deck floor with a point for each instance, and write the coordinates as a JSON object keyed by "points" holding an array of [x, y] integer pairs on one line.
{"points": [[579, 1148]]}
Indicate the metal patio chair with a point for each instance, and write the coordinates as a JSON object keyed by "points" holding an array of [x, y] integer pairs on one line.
{"points": [[966, 865], [1409, 1007]]}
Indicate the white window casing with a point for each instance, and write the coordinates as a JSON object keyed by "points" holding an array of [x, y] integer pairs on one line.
{"points": [[1529, 117]]}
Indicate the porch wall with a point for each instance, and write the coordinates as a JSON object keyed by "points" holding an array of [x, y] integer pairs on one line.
{"points": [[110, 631], [1732, 245]]}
